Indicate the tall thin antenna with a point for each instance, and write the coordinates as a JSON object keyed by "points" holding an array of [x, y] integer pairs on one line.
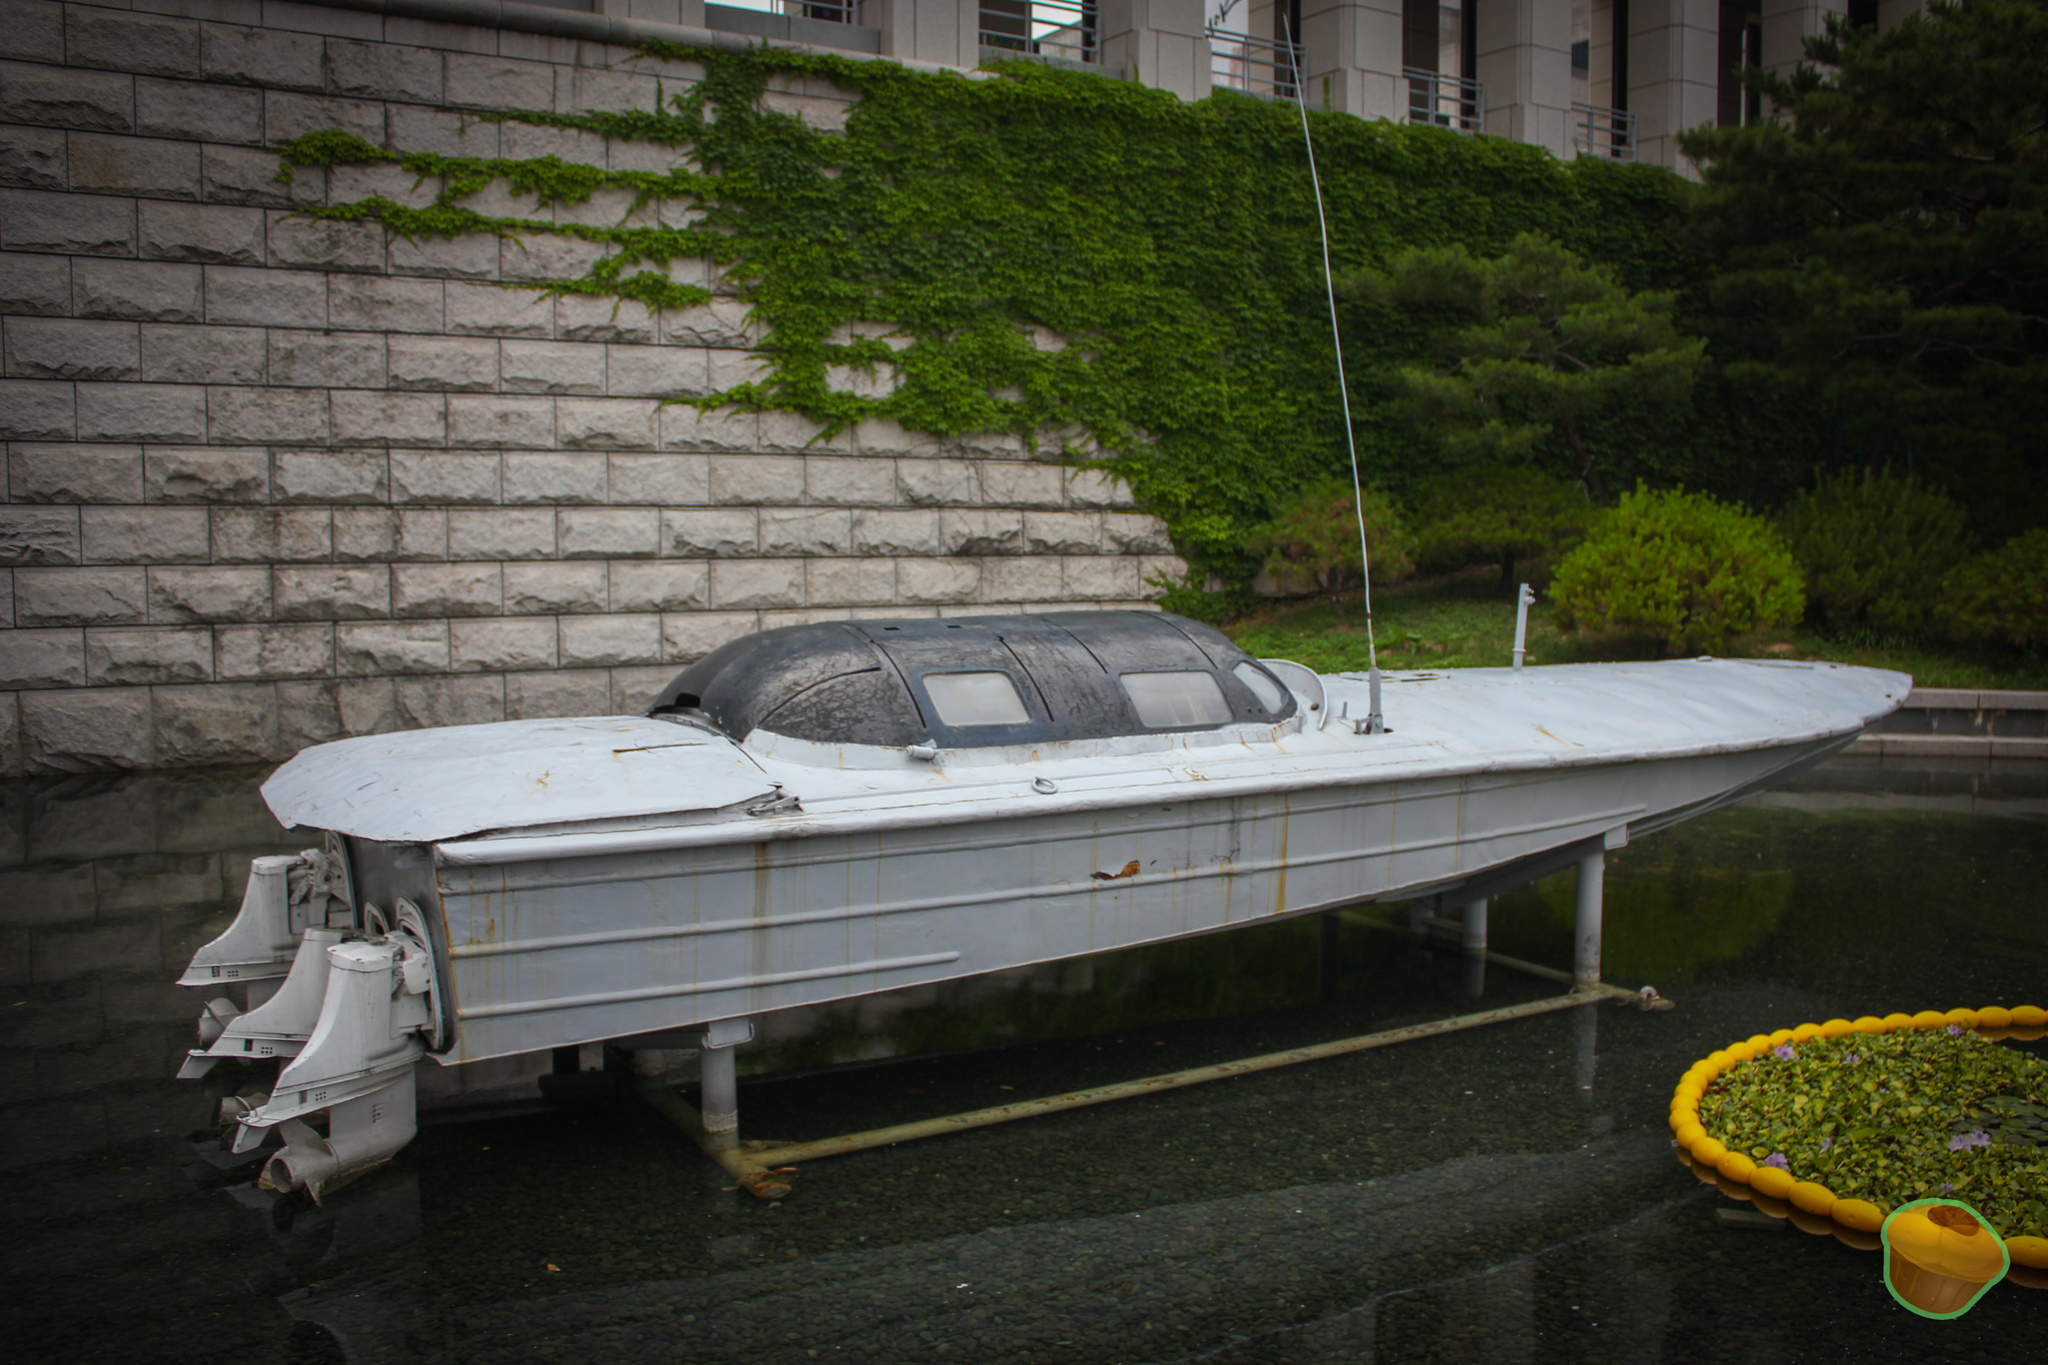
{"points": [[1374, 722]]}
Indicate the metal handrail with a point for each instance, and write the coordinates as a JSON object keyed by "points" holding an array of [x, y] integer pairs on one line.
{"points": [[1445, 101], [1070, 35], [1605, 132], [1268, 53]]}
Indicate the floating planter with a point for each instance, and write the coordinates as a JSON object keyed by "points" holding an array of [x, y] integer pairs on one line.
{"points": [[1835, 1126]]}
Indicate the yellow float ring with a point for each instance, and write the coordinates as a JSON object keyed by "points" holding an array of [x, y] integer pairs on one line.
{"points": [[1855, 1215]]}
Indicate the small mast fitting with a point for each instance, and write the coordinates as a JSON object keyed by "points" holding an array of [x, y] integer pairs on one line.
{"points": [[1375, 723]]}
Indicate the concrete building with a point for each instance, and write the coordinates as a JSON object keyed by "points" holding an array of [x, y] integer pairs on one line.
{"points": [[271, 480]]}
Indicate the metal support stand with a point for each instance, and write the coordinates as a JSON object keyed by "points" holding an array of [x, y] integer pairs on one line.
{"points": [[1586, 939], [719, 1075], [1475, 948]]}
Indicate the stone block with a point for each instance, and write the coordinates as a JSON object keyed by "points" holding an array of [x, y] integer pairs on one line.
{"points": [[938, 483], [635, 686], [143, 535], [204, 474], [610, 641], [690, 534], [472, 257], [475, 700], [805, 531], [176, 354], [550, 367], [665, 585], [1094, 488], [730, 369], [36, 285], [489, 310], [308, 713], [200, 112], [64, 348], [554, 477], [215, 723], [665, 480], [1135, 533], [502, 199], [208, 594], [330, 476], [240, 416], [722, 323], [38, 410], [606, 423], [263, 535], [608, 532], [608, 207], [850, 582], [981, 532], [61, 97], [158, 44], [151, 654], [599, 90], [157, 168], [248, 175], [555, 588], [34, 158], [593, 317], [842, 480], [70, 224], [382, 179], [938, 580], [522, 141], [1062, 533], [37, 537], [720, 429], [757, 583], [885, 436], [361, 416], [324, 243], [541, 256], [273, 651], [1102, 577], [262, 56], [392, 647], [42, 658], [659, 371], [385, 533], [445, 363], [896, 533], [73, 473], [481, 421], [756, 479], [1020, 483], [499, 646], [690, 635], [1028, 580], [80, 597], [444, 477], [447, 131], [485, 82], [502, 533], [388, 71], [286, 116], [32, 30], [381, 304], [542, 696], [462, 589], [86, 730], [216, 234], [327, 359], [148, 291], [252, 296], [331, 593]]}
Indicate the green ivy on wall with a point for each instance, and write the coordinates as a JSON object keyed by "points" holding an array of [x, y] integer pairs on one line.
{"points": [[1111, 273]]}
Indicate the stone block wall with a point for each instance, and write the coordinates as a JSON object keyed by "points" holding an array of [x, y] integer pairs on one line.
{"points": [[271, 481]]}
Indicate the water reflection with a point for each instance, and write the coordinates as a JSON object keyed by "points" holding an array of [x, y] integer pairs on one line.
{"points": [[1505, 1195]]}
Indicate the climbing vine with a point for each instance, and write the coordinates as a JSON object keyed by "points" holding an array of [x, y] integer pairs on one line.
{"points": [[1112, 274]]}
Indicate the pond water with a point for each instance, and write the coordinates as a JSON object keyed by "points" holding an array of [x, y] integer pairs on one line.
{"points": [[1507, 1194]]}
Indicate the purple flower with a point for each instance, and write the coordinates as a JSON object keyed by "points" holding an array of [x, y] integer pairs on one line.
{"points": [[1851, 1059], [1963, 1142], [1955, 1030], [1783, 1052], [1778, 1159], [1947, 1188], [1826, 1143]]}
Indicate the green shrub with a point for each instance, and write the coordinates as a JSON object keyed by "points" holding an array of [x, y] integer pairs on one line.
{"points": [[1506, 516], [1692, 571], [2002, 597], [1874, 549], [1314, 539]]}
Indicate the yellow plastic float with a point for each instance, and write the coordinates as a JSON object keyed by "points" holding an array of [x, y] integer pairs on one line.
{"points": [[1807, 1203]]}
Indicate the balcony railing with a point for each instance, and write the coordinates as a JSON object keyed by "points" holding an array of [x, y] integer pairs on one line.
{"points": [[831, 11], [1604, 132], [1059, 31], [1444, 101], [1252, 66]]}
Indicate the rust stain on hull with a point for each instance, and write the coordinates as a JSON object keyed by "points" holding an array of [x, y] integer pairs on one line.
{"points": [[1130, 869]]}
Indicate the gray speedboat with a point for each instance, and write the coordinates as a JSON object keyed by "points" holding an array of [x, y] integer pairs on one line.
{"points": [[825, 811]]}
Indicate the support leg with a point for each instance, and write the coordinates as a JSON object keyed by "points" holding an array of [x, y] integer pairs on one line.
{"points": [[720, 1101], [1475, 926], [1586, 942]]}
